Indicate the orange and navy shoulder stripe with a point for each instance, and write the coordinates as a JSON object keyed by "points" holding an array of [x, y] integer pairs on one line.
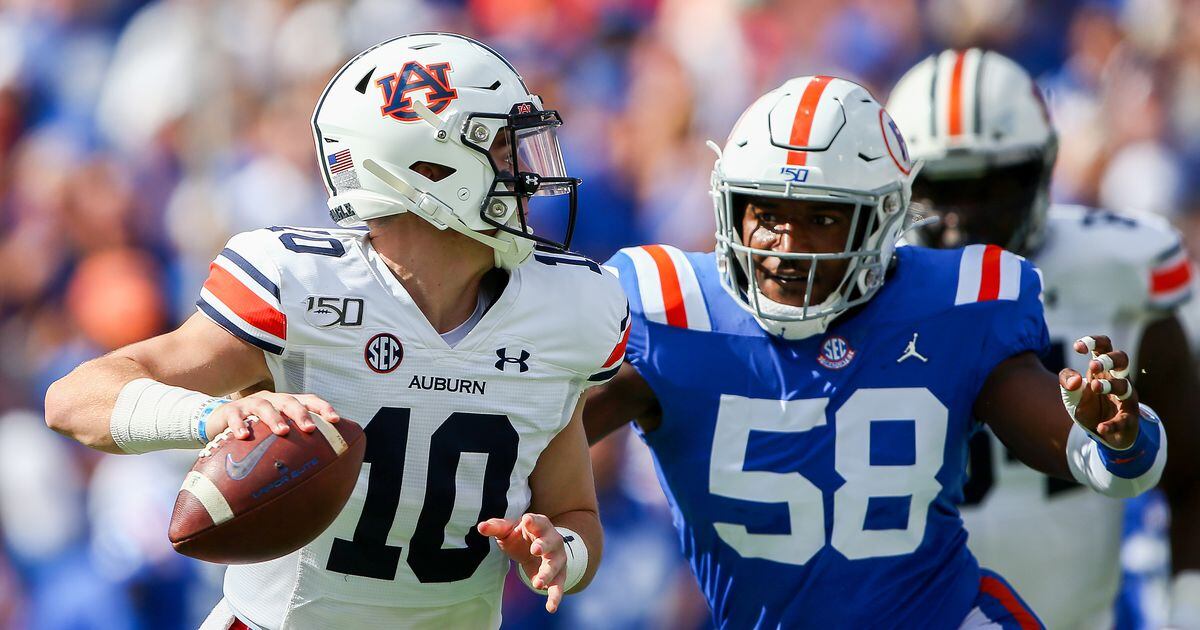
{"points": [[240, 298], [987, 272], [613, 362], [1171, 278], [668, 287]]}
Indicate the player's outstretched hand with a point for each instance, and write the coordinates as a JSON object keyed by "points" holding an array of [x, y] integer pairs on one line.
{"points": [[1104, 400], [538, 550], [272, 409]]}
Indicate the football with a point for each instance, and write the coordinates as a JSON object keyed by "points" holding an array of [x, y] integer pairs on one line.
{"points": [[264, 497]]}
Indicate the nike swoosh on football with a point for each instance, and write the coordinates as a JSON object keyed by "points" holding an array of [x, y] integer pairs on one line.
{"points": [[237, 470]]}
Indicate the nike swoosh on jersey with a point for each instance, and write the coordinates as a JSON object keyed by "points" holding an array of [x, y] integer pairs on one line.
{"points": [[237, 470]]}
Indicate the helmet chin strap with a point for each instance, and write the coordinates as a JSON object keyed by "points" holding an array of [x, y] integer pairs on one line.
{"points": [[508, 250], [791, 330]]}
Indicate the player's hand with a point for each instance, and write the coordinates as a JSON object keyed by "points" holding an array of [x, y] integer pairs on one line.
{"points": [[1106, 402], [538, 550], [272, 409]]}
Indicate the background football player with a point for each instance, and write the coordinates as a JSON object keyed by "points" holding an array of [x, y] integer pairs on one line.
{"points": [[979, 123], [808, 391], [416, 135]]}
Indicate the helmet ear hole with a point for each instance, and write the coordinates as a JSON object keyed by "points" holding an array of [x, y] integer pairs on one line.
{"points": [[432, 171]]}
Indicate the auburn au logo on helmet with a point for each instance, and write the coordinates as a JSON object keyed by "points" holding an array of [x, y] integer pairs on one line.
{"points": [[434, 79]]}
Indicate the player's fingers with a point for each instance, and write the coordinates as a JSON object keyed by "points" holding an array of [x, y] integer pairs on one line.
{"points": [[1118, 387], [546, 546], [1069, 379], [295, 411], [1095, 344], [1114, 361], [496, 527], [267, 414], [548, 571], [319, 406], [235, 419], [554, 596], [536, 524]]}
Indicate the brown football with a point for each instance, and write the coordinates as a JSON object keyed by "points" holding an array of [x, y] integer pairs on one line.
{"points": [[264, 497]]}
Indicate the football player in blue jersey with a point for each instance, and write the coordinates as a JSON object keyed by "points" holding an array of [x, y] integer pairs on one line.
{"points": [[808, 390], [988, 177]]}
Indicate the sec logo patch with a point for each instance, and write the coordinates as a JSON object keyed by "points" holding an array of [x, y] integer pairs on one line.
{"points": [[383, 353], [836, 353]]}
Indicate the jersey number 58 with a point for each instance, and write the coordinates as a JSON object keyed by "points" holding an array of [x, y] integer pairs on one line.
{"points": [[878, 480]]}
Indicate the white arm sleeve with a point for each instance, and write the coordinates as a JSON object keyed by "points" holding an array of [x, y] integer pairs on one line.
{"points": [[1088, 466]]}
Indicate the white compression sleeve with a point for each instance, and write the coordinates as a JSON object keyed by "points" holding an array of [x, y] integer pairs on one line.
{"points": [[152, 416], [1185, 601], [1119, 474]]}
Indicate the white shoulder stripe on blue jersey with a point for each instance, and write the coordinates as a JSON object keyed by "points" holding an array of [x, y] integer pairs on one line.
{"points": [[987, 272], [668, 287]]}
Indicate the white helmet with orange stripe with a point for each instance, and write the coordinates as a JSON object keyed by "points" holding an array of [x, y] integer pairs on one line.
{"points": [[980, 124], [814, 138]]}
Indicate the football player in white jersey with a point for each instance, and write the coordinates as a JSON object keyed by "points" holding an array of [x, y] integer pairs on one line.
{"points": [[458, 338], [981, 126]]}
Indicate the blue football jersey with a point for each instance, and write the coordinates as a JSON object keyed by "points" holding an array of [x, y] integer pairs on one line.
{"points": [[814, 482]]}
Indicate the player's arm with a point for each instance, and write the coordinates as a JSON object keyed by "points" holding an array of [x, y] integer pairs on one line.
{"points": [[557, 544], [1167, 380], [624, 398], [1088, 428], [150, 395]]}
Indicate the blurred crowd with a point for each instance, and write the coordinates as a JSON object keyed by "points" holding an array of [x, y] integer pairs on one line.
{"points": [[136, 136]]}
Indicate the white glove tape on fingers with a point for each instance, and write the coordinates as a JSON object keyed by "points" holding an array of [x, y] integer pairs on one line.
{"points": [[1071, 402], [1120, 373], [1106, 362], [1090, 343], [152, 416], [1128, 391], [1071, 399], [1105, 386]]}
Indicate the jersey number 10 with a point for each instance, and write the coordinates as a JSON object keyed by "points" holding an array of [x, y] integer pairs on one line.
{"points": [[491, 436]]}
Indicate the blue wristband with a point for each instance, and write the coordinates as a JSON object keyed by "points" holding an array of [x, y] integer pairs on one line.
{"points": [[202, 418], [1134, 461]]}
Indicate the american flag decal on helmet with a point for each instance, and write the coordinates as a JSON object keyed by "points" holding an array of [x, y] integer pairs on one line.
{"points": [[340, 161]]}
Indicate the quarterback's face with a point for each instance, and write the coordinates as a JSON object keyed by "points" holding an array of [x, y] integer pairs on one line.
{"points": [[797, 227]]}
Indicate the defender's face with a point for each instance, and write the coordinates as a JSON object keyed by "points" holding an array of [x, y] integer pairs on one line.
{"points": [[795, 226], [988, 208]]}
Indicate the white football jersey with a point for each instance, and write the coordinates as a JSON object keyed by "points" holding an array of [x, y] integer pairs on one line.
{"points": [[452, 433], [1057, 541]]}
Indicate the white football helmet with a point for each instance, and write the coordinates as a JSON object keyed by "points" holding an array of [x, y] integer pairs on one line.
{"points": [[975, 117], [442, 126], [814, 138]]}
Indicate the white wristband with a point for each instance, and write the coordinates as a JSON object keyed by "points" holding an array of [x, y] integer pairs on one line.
{"points": [[151, 416], [577, 562], [577, 557], [1185, 601]]}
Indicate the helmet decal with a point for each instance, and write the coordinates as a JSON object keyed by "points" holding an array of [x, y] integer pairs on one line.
{"points": [[894, 141], [433, 79], [806, 110]]}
